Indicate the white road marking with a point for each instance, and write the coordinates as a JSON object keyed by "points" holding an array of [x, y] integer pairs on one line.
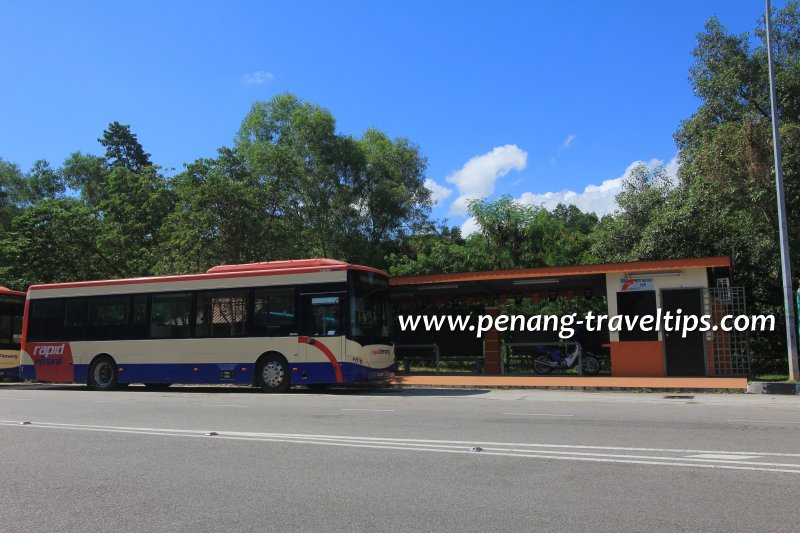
{"points": [[538, 414], [766, 421], [738, 461], [375, 410], [724, 456], [422, 441], [19, 399]]}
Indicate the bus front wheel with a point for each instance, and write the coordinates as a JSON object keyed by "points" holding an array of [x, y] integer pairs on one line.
{"points": [[103, 373], [272, 374]]}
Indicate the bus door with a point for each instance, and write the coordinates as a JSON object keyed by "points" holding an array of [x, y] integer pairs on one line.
{"points": [[322, 336]]}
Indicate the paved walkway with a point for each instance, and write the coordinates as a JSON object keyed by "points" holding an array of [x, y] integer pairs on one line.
{"points": [[739, 384]]}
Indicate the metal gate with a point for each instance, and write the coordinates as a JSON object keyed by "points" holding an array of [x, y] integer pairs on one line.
{"points": [[729, 353]]}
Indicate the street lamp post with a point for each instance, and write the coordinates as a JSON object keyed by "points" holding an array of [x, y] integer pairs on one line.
{"points": [[786, 267]]}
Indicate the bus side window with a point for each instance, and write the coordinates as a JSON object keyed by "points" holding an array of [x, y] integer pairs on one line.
{"points": [[46, 320], [169, 315], [275, 313], [109, 317], [323, 318], [5, 330], [221, 313], [75, 319], [139, 324]]}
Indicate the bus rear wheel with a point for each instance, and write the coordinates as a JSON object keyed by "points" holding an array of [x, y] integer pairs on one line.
{"points": [[272, 374], [103, 374]]}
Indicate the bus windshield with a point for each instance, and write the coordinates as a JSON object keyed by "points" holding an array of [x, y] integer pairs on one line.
{"points": [[369, 309]]}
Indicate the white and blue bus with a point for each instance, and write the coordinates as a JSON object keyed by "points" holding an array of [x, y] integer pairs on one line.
{"points": [[12, 304], [272, 325]]}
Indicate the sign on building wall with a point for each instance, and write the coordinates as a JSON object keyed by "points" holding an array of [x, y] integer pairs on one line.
{"points": [[635, 284]]}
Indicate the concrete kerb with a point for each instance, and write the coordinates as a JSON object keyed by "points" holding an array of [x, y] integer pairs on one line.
{"points": [[656, 384], [656, 390], [771, 387]]}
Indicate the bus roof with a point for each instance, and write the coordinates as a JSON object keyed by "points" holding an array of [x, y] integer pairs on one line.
{"points": [[279, 265], [267, 268], [8, 292]]}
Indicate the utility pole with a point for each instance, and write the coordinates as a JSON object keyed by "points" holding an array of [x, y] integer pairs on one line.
{"points": [[786, 266]]}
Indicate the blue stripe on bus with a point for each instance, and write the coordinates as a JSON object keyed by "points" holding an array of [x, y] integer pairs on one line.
{"points": [[240, 374], [26, 372], [10, 373]]}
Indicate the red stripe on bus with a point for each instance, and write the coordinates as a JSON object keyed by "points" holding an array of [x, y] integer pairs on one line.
{"points": [[25, 326], [324, 349]]}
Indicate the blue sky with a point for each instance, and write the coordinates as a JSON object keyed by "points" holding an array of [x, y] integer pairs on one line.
{"points": [[518, 98]]}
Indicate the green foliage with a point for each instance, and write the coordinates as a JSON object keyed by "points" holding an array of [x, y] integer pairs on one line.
{"points": [[111, 231], [511, 235], [574, 219], [11, 193], [123, 149], [324, 194], [134, 206], [436, 251], [53, 241], [516, 235], [217, 216], [388, 193], [86, 174]]}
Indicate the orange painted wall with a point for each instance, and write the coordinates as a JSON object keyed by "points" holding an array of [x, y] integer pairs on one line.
{"points": [[637, 359]]}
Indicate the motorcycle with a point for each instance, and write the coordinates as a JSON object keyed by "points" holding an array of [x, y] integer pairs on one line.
{"points": [[545, 360]]}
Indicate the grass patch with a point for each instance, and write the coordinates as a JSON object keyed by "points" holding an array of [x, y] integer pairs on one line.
{"points": [[770, 377]]}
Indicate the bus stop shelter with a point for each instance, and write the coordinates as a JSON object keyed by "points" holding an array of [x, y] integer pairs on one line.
{"points": [[696, 286]]}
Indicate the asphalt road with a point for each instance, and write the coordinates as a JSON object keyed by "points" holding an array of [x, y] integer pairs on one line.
{"points": [[197, 459]]}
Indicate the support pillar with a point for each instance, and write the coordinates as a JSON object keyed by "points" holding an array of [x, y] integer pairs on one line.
{"points": [[491, 346]]}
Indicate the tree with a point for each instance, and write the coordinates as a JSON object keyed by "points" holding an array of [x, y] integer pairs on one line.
{"points": [[389, 193], [325, 194], [12, 193], [53, 241], [87, 174], [133, 209], [217, 216], [123, 149], [523, 236], [511, 235], [575, 219], [290, 146], [43, 182], [440, 250], [616, 237]]}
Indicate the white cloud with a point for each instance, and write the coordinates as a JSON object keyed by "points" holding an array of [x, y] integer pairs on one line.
{"points": [[568, 141], [597, 198], [439, 193], [469, 227], [476, 179], [258, 77]]}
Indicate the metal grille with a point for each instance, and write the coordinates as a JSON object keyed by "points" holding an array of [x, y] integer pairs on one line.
{"points": [[729, 350]]}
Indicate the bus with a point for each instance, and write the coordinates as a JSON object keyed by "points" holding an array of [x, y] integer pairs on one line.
{"points": [[271, 325], [12, 304]]}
